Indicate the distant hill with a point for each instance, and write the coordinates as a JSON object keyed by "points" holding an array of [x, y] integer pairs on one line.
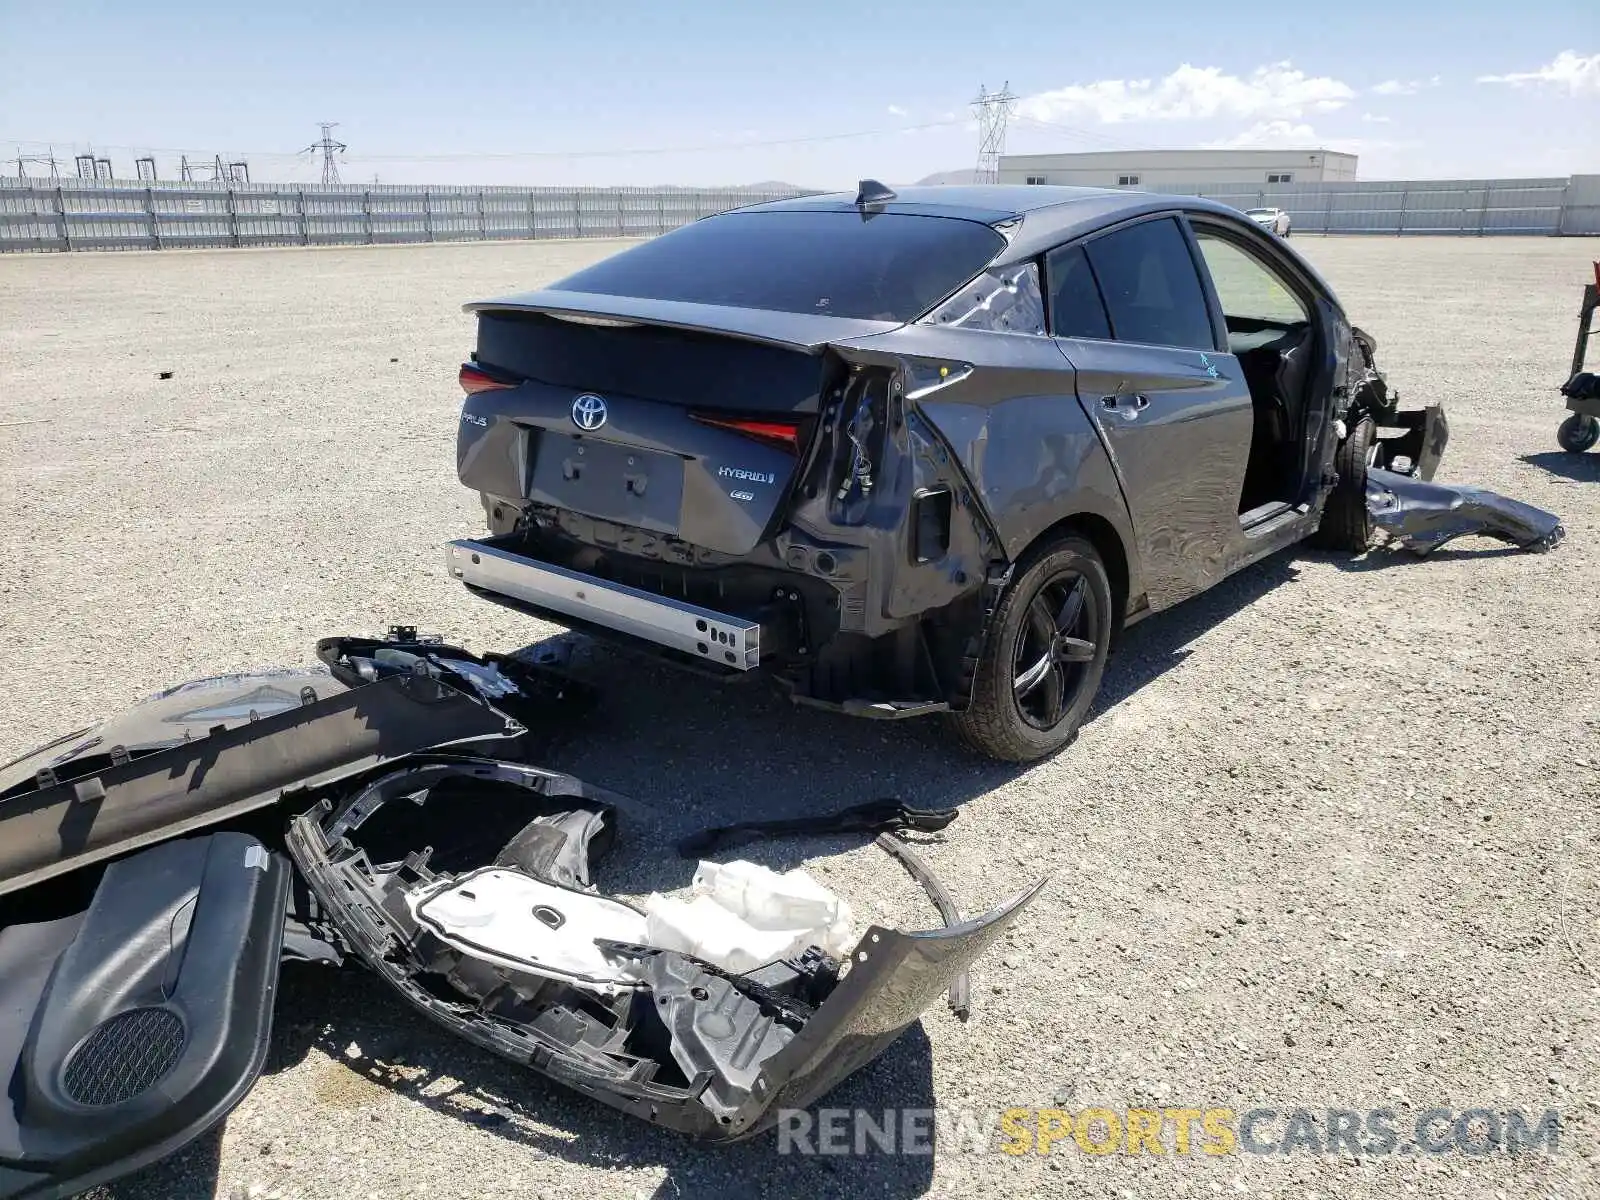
{"points": [[948, 178]]}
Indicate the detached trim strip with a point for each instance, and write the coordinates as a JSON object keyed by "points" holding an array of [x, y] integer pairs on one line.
{"points": [[701, 633]]}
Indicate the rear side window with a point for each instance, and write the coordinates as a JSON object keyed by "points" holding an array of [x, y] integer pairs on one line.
{"points": [[887, 267], [1151, 287], [1076, 309]]}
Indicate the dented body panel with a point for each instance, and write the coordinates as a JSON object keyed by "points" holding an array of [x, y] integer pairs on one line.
{"points": [[1155, 407]]}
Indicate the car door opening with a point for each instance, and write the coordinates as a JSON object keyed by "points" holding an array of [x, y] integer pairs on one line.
{"points": [[1272, 335]]}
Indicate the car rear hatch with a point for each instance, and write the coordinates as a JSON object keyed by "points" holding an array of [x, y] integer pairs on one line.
{"points": [[674, 388], [684, 433]]}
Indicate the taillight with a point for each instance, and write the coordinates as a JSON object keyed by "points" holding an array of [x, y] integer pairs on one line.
{"points": [[785, 434], [475, 379]]}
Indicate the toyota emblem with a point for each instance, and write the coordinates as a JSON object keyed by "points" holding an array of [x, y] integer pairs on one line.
{"points": [[588, 411]]}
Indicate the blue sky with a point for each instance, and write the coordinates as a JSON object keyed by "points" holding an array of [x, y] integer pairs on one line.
{"points": [[622, 92]]}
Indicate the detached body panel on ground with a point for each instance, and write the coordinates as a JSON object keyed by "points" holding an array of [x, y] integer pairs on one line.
{"points": [[140, 941]]}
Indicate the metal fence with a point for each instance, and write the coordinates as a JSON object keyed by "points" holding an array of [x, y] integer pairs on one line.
{"points": [[1475, 207], [83, 214]]}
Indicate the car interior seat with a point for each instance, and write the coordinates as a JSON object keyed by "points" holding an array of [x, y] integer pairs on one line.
{"points": [[1276, 364]]}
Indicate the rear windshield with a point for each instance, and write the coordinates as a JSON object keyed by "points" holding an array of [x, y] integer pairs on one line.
{"points": [[889, 267]]}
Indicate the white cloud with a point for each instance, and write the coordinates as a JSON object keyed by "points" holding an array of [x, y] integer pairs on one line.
{"points": [[1404, 87], [896, 111], [1274, 92], [1578, 74], [1278, 135], [1375, 119]]}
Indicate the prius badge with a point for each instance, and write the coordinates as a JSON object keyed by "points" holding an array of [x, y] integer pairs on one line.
{"points": [[588, 412]]}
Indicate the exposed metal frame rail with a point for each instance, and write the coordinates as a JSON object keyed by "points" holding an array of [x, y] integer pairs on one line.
{"points": [[700, 633]]}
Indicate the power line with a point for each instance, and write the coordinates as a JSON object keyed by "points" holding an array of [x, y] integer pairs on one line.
{"points": [[1082, 134], [236, 171], [512, 155], [47, 159], [993, 109], [326, 144]]}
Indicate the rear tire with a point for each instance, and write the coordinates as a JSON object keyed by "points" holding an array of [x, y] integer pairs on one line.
{"points": [[1043, 655], [1578, 433], [1346, 523]]}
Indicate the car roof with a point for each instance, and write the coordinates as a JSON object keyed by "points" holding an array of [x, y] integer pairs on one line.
{"points": [[1047, 214]]}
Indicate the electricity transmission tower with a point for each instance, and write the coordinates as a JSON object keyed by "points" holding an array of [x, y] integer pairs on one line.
{"points": [[328, 147], [24, 161], [993, 110]]}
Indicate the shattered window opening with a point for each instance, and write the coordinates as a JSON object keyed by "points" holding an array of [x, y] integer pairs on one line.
{"points": [[1001, 300]]}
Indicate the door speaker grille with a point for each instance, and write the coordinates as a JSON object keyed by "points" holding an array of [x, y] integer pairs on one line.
{"points": [[124, 1056]]}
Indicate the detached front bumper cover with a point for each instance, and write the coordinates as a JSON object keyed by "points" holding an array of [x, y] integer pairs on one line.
{"points": [[1423, 516], [695, 1049]]}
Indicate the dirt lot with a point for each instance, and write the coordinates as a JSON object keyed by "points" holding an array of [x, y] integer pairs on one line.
{"points": [[1332, 839]]}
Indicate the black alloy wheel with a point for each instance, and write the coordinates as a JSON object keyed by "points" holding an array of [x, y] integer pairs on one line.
{"points": [[1043, 654], [1055, 650]]}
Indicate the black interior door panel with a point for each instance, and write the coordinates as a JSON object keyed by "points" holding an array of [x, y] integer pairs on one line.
{"points": [[133, 1027]]}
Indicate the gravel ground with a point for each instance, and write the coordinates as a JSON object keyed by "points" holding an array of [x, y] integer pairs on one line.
{"points": [[1329, 841]]}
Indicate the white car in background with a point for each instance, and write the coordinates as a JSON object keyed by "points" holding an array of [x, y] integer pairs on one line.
{"points": [[1274, 220]]}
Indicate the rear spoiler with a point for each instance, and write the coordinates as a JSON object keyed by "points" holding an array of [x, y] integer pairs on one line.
{"points": [[807, 332]]}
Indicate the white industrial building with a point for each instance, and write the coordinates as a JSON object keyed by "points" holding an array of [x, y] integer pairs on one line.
{"points": [[1155, 169]]}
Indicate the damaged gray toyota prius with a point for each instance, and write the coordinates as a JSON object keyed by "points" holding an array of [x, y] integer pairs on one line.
{"points": [[925, 452]]}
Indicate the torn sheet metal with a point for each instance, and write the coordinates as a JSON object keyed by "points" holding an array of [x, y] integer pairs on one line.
{"points": [[1423, 516]]}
